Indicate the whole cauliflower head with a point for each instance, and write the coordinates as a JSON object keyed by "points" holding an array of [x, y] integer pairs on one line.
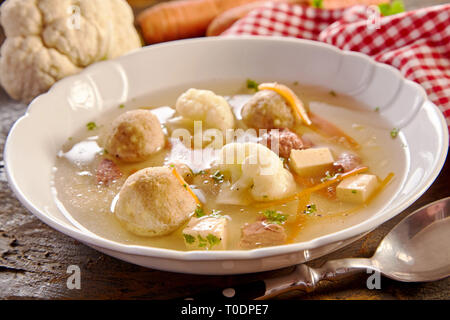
{"points": [[204, 105], [256, 168], [47, 40]]}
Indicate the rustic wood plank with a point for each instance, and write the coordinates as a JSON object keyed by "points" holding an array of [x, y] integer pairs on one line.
{"points": [[34, 258]]}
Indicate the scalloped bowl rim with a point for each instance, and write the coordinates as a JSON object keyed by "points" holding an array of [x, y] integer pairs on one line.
{"points": [[353, 231]]}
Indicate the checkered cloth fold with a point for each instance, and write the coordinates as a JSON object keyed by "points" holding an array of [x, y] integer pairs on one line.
{"points": [[415, 42]]}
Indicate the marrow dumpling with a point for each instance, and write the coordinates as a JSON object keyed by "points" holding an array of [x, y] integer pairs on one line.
{"points": [[267, 110], [154, 202], [134, 136]]}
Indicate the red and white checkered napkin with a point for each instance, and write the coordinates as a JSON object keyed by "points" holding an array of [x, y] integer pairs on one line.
{"points": [[415, 42]]}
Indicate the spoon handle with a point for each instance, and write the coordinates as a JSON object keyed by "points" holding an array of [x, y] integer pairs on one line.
{"points": [[301, 278], [306, 278]]}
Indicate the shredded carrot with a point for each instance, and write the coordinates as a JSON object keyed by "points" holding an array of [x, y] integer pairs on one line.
{"points": [[292, 99], [315, 188], [301, 219], [184, 184]]}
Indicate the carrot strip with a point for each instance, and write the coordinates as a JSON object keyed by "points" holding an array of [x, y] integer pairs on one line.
{"points": [[291, 98], [315, 188], [184, 184], [301, 218]]}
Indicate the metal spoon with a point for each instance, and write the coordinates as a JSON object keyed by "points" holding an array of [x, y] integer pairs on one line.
{"points": [[415, 250]]}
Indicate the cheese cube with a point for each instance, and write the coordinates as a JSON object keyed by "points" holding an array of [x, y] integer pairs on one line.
{"points": [[206, 233], [311, 162], [357, 189]]}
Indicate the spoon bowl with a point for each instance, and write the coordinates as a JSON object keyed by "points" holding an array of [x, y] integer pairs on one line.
{"points": [[417, 249]]}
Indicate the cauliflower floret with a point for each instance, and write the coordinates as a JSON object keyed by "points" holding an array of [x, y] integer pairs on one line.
{"points": [[153, 202], [255, 168], [48, 40], [267, 110], [204, 105]]}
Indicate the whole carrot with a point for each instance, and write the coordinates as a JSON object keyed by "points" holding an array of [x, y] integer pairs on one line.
{"points": [[224, 20], [182, 19]]}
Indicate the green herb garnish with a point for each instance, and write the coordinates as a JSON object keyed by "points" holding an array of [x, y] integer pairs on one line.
{"points": [[377, 109], [91, 126], [121, 106], [394, 133], [329, 176], [354, 191], [388, 9], [199, 212], [217, 176], [274, 216], [252, 84], [317, 4], [189, 239], [201, 241], [310, 208], [212, 240]]}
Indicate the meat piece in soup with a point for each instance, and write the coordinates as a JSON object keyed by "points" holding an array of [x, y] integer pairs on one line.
{"points": [[262, 234], [107, 172], [347, 162], [242, 195], [284, 140]]}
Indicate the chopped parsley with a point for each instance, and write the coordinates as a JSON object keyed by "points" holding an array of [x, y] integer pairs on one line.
{"points": [[354, 191], [217, 176], [199, 212], [310, 209], [212, 240], [201, 241], [317, 4], [189, 238], [394, 133], [394, 7], [377, 109], [91, 126], [252, 84], [121, 106], [274, 216], [333, 93], [329, 175]]}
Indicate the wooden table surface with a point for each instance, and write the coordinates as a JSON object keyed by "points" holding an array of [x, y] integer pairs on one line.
{"points": [[34, 258]]}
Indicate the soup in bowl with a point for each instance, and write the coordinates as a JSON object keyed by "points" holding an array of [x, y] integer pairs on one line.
{"points": [[239, 166], [225, 156]]}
